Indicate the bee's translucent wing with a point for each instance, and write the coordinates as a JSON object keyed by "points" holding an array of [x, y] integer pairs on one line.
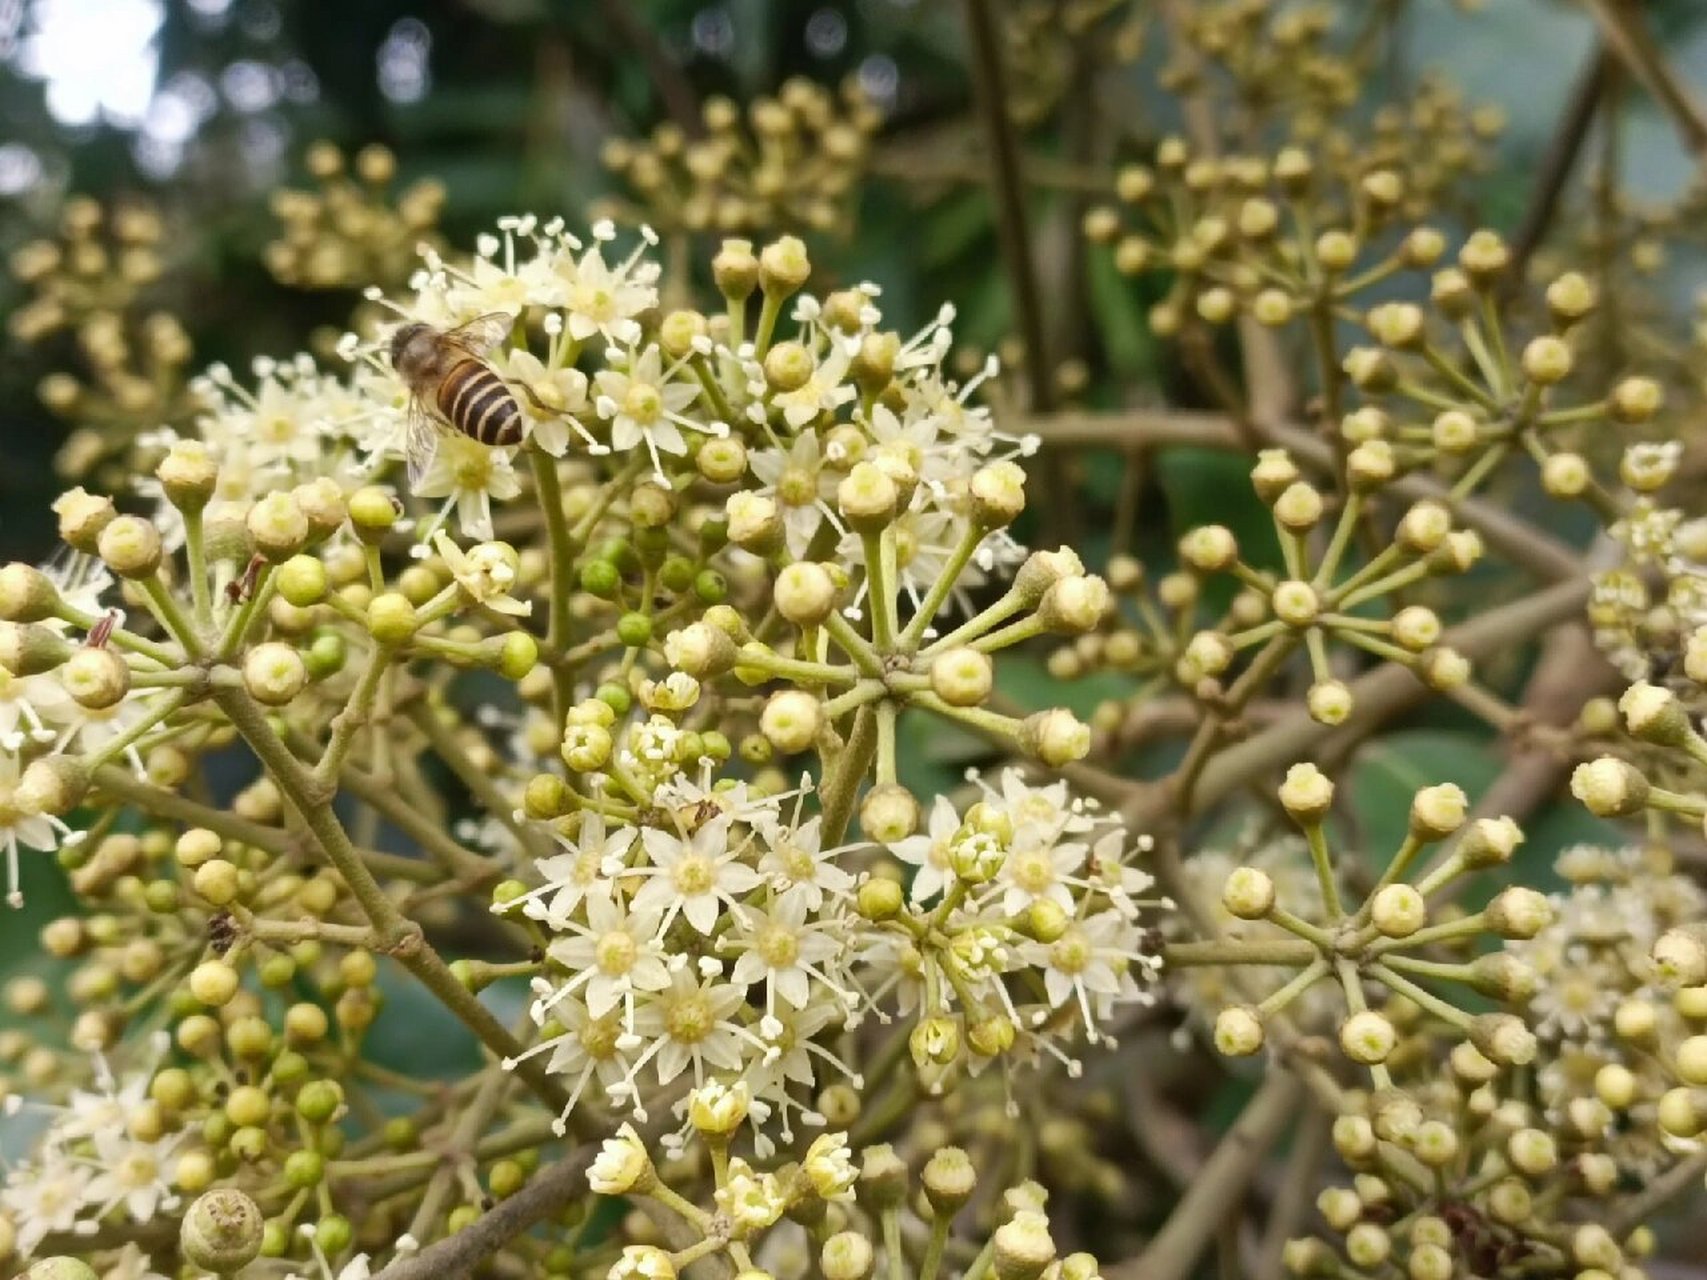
{"points": [[482, 333], [421, 442]]}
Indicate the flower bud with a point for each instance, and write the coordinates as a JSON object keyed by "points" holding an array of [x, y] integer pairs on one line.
{"points": [[1057, 737], [1680, 1113], [1483, 256], [1504, 1039], [373, 512], [1503, 976], [1570, 298], [1518, 913], [1248, 893], [53, 785], [1416, 628], [1329, 702], [130, 546], [1423, 528], [1654, 714], [1398, 911], [221, 1232], [701, 650], [847, 1255], [1367, 1246], [642, 1262], [1546, 360], [96, 678], [278, 527], [391, 618], [1296, 604], [1299, 507], [1436, 812], [1024, 1248], [1368, 1037], [949, 1179], [1680, 958], [1635, 401], [783, 266], [805, 593], [1042, 570], [1370, 369], [586, 747], [1532, 1152], [1490, 842], [888, 813], [188, 475], [1443, 669], [997, 491], [735, 269], [963, 677], [1370, 465], [58, 1268], [1238, 1031], [1455, 432], [1610, 788], [1306, 794], [1074, 605], [274, 673], [82, 516], [792, 720], [1209, 548], [867, 498], [1274, 473]]}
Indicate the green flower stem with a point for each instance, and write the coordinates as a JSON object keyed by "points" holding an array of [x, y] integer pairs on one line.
{"points": [[1450, 1014], [958, 559], [856, 646], [886, 712], [999, 611], [1343, 531], [195, 553], [862, 694], [169, 614], [1447, 871], [1225, 951], [357, 713], [1318, 938], [991, 722], [1301, 982], [237, 626], [672, 1199], [1323, 861], [1381, 586], [1012, 634], [1400, 863], [113, 749], [894, 1258], [880, 584], [713, 389], [841, 782], [1677, 802], [770, 311], [1369, 571], [932, 1261], [801, 672], [469, 1125], [1444, 971], [165, 655], [1448, 369], [1479, 351], [402, 937], [1479, 471], [550, 491], [1379, 647], [1259, 634], [1464, 926]]}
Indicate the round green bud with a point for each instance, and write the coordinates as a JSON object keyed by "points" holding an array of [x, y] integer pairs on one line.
{"points": [[222, 1231]]}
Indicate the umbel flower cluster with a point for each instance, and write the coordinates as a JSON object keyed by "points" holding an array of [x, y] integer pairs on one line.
{"points": [[746, 546], [687, 695]]}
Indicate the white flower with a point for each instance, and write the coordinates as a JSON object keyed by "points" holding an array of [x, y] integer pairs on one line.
{"points": [[929, 851], [801, 486], [799, 868], [616, 954], [1092, 963], [21, 828], [824, 392], [621, 1165], [591, 861], [45, 1198], [644, 405], [780, 948], [694, 874], [604, 299], [485, 572], [691, 1023], [550, 402], [830, 1167], [468, 475]]}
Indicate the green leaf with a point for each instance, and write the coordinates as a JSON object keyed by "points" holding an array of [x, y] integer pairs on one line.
{"points": [[1388, 772]]}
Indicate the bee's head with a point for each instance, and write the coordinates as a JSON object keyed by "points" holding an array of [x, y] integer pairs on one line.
{"points": [[401, 342]]}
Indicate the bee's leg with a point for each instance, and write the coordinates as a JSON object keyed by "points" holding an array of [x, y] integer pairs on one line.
{"points": [[529, 393]]}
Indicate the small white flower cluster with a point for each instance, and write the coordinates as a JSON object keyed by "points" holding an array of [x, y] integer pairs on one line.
{"points": [[90, 1165], [716, 935]]}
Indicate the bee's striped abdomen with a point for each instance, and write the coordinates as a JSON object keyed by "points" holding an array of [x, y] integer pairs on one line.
{"points": [[477, 403]]}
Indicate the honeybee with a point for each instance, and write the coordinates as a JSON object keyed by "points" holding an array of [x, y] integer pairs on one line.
{"points": [[450, 381]]}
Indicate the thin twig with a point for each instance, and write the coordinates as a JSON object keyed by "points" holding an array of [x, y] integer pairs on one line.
{"points": [[1627, 32]]}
